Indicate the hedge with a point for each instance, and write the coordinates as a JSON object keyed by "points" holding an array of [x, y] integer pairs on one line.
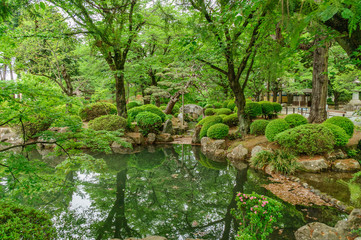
{"points": [[149, 122], [275, 127], [218, 131], [108, 122]]}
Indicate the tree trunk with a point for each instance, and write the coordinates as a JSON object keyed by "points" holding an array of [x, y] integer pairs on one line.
{"points": [[268, 89], [289, 98], [120, 93], [318, 112], [337, 97], [174, 99], [275, 92]]}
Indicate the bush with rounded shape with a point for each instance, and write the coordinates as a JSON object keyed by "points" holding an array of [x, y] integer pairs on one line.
{"points": [[231, 105], [132, 105], [231, 120], [253, 109], [342, 122], [295, 120], [217, 105], [218, 131], [275, 127], [209, 112], [108, 123], [258, 127], [341, 137], [95, 110], [225, 111], [132, 113], [20, 222], [149, 122], [154, 109], [208, 105], [267, 108], [207, 124], [215, 118], [309, 139], [225, 103], [277, 107]]}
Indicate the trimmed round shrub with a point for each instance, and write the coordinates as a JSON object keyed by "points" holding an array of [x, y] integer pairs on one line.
{"points": [[208, 105], [108, 122], [218, 131], [209, 111], [225, 111], [132, 105], [342, 122], [217, 105], [149, 122], [207, 124], [258, 127], [132, 113], [215, 118], [309, 139], [231, 120], [253, 109], [275, 127], [20, 222], [95, 110], [277, 107], [267, 108], [231, 105], [341, 137], [225, 103], [295, 120]]}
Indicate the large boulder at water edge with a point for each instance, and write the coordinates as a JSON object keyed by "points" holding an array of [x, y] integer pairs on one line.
{"points": [[192, 110], [346, 165]]}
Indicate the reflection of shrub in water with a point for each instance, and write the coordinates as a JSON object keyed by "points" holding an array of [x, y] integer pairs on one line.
{"points": [[208, 163], [147, 160], [354, 187]]}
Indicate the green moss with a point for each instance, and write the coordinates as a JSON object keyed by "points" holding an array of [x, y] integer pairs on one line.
{"points": [[108, 122], [342, 122], [258, 127], [295, 120], [309, 139], [218, 131], [20, 222], [98, 109], [275, 127]]}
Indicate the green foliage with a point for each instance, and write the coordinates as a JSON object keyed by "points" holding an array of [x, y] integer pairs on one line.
{"points": [[208, 105], [275, 127], [309, 139], [132, 105], [231, 105], [209, 112], [149, 122], [341, 137], [258, 127], [277, 107], [225, 111], [218, 131], [108, 123], [231, 120], [257, 215], [208, 163], [217, 105], [95, 110], [295, 120], [34, 125], [253, 109], [342, 122], [20, 222], [145, 160], [279, 161], [225, 103], [207, 124], [132, 113], [267, 108], [216, 118], [73, 122], [176, 108]]}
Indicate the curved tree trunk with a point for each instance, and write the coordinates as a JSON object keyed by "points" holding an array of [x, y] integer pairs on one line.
{"points": [[318, 112]]}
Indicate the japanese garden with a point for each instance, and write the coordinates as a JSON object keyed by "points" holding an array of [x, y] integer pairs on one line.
{"points": [[180, 119]]}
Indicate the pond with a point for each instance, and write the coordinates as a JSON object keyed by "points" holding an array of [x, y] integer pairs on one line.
{"points": [[172, 191]]}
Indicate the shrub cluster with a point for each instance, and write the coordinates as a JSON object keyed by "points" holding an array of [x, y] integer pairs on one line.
{"points": [[95, 110], [342, 122], [277, 107], [20, 222], [253, 109], [73, 122], [295, 120], [231, 105], [279, 161], [225, 111], [231, 120], [132, 105], [341, 137], [218, 131], [309, 139], [149, 122], [215, 118], [267, 108], [275, 127], [108, 123], [258, 127], [217, 105], [132, 113], [207, 124], [209, 112]]}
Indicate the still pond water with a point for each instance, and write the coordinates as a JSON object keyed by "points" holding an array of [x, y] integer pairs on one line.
{"points": [[171, 191]]}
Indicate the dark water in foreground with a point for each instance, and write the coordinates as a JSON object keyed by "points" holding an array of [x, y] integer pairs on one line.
{"points": [[170, 191]]}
